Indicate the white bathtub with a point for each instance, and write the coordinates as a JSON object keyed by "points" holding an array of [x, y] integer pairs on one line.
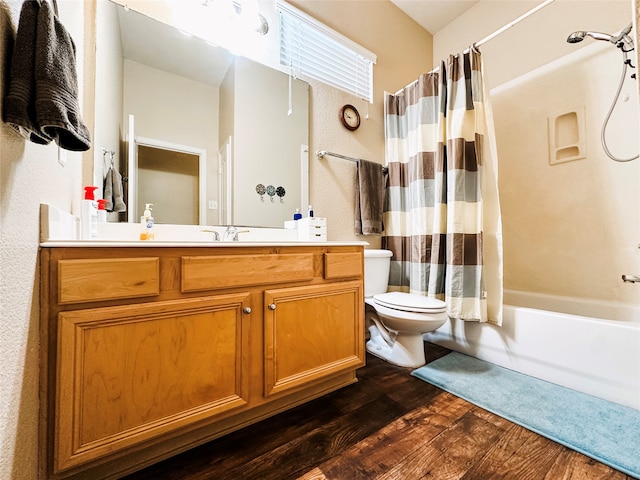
{"points": [[559, 341]]}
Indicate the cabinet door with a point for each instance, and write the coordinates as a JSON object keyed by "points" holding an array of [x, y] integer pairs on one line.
{"points": [[312, 333], [131, 373]]}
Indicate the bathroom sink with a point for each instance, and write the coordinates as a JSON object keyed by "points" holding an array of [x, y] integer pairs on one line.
{"points": [[59, 226], [194, 233]]}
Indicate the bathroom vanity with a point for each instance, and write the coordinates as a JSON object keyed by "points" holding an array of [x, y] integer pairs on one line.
{"points": [[149, 350]]}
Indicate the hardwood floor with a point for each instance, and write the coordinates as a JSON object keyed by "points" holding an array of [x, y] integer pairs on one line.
{"points": [[389, 425]]}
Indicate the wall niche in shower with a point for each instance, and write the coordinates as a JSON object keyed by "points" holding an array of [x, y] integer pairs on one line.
{"points": [[566, 136]]}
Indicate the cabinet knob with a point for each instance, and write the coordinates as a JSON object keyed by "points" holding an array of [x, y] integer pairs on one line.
{"points": [[272, 306], [246, 309]]}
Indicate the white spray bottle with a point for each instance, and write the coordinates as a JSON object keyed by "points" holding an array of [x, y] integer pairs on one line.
{"points": [[89, 215]]}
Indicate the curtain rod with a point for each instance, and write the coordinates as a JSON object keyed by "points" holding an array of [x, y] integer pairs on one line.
{"points": [[324, 153], [497, 32], [513, 23]]}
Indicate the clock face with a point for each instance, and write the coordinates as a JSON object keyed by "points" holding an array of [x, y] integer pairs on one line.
{"points": [[350, 117]]}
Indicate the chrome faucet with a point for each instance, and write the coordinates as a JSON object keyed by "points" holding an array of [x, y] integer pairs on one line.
{"points": [[231, 234], [216, 235]]}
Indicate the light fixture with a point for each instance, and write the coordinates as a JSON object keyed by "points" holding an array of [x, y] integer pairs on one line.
{"points": [[249, 13], [246, 11]]}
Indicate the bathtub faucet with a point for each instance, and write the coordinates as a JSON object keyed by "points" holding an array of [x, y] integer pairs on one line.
{"points": [[631, 278]]}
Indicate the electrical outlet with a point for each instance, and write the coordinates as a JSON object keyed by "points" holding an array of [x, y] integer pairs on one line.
{"points": [[213, 205], [62, 156]]}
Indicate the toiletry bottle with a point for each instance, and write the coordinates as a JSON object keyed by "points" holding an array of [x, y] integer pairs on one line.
{"points": [[102, 211], [89, 215], [310, 211], [146, 222], [297, 215]]}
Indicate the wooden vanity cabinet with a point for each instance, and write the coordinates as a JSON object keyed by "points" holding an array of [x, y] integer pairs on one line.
{"points": [[150, 351]]}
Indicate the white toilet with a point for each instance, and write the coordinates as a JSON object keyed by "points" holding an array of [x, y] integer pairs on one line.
{"points": [[397, 320]]}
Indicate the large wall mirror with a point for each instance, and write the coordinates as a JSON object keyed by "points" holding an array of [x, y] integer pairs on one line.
{"points": [[206, 136]]}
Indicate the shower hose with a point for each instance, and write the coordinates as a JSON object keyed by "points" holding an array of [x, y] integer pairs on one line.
{"points": [[625, 64]]}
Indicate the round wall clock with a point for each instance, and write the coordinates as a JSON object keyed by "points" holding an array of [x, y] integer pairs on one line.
{"points": [[350, 117]]}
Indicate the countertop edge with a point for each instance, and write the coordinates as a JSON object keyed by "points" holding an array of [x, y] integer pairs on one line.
{"points": [[167, 244]]}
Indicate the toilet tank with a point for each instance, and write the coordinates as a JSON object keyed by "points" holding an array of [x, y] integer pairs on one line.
{"points": [[376, 271]]}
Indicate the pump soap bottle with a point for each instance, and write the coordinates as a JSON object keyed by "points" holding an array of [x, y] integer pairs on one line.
{"points": [[89, 215], [146, 222], [102, 210]]}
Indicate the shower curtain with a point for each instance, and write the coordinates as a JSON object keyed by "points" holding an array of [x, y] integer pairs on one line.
{"points": [[442, 215]]}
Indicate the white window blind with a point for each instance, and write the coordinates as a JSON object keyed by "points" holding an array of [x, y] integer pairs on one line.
{"points": [[310, 48]]}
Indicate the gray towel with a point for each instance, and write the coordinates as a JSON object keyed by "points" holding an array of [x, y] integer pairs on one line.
{"points": [[369, 198], [113, 192], [56, 103], [19, 102]]}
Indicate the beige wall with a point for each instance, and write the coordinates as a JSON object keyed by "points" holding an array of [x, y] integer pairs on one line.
{"points": [[109, 66], [187, 116], [402, 56], [29, 174], [570, 229], [267, 156]]}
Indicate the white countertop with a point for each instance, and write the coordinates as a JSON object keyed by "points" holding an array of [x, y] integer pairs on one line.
{"points": [[61, 229], [195, 244]]}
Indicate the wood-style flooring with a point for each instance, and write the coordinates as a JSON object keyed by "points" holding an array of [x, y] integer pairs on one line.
{"points": [[389, 425]]}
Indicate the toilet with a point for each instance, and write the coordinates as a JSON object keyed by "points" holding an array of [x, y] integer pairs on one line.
{"points": [[397, 320]]}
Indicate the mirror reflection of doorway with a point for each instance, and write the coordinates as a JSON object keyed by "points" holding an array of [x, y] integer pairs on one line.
{"points": [[169, 180], [225, 183]]}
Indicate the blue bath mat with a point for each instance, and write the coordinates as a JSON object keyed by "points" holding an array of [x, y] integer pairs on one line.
{"points": [[605, 431]]}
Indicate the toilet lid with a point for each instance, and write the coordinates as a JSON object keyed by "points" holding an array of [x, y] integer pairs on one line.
{"points": [[409, 302]]}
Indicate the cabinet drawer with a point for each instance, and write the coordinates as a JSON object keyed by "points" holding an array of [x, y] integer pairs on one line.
{"points": [[340, 265], [92, 280], [225, 271]]}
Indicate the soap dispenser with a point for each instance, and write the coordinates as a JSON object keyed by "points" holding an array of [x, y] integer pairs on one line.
{"points": [[89, 215], [146, 222], [102, 210]]}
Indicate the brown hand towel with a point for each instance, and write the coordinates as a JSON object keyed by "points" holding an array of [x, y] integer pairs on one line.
{"points": [[369, 198], [56, 104], [19, 102]]}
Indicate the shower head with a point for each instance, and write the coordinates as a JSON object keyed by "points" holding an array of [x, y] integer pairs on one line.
{"points": [[576, 37], [621, 40]]}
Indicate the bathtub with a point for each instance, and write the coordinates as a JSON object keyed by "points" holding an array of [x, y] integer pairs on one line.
{"points": [[558, 339]]}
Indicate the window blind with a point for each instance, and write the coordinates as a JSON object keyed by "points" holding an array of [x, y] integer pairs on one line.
{"points": [[309, 48]]}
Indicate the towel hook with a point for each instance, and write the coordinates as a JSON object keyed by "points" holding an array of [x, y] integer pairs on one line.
{"points": [[111, 154]]}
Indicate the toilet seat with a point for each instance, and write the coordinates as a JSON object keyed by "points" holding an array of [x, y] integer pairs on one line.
{"points": [[409, 302]]}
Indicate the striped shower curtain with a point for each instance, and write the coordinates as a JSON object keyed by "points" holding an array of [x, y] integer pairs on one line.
{"points": [[442, 218]]}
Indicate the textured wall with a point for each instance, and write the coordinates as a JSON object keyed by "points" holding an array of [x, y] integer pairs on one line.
{"points": [[29, 174]]}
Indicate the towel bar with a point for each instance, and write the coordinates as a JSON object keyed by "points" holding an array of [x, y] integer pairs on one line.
{"points": [[323, 153]]}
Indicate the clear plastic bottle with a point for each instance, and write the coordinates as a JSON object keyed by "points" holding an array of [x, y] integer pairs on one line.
{"points": [[146, 224]]}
